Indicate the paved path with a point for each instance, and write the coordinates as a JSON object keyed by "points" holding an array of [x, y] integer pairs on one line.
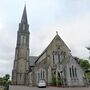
{"points": [[47, 88]]}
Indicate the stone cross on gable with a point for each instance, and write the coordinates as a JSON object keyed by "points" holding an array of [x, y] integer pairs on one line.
{"points": [[56, 32]]}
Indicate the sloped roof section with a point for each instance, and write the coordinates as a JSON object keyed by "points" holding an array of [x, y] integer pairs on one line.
{"points": [[32, 60], [57, 37]]}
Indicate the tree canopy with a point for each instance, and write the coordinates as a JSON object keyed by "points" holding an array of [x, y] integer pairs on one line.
{"points": [[4, 79], [84, 64]]}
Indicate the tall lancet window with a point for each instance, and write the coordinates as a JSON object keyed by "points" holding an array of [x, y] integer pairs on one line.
{"points": [[70, 72], [55, 57], [75, 72], [59, 57], [23, 40]]}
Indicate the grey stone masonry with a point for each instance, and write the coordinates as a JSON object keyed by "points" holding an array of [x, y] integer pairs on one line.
{"points": [[21, 63]]}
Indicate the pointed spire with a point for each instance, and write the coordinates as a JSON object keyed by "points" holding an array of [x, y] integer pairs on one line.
{"points": [[24, 16]]}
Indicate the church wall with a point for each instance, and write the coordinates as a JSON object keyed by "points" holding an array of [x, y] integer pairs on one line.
{"points": [[40, 70], [80, 75], [21, 65], [77, 79], [15, 65], [30, 78], [55, 59], [68, 79], [39, 74], [49, 76], [49, 54], [45, 62], [14, 77]]}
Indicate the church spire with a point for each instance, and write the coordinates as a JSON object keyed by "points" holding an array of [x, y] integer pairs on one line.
{"points": [[21, 68], [24, 16]]}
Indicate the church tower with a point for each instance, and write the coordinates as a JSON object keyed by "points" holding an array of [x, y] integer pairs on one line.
{"points": [[21, 63]]}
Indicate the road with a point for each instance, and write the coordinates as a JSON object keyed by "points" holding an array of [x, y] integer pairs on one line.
{"points": [[47, 88]]}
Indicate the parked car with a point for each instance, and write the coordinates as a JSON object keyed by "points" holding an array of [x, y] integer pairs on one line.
{"points": [[42, 83]]}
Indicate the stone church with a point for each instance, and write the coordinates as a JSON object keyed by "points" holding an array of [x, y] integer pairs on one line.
{"points": [[55, 61]]}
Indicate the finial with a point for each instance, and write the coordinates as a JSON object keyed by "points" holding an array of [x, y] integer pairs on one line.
{"points": [[25, 3], [57, 32]]}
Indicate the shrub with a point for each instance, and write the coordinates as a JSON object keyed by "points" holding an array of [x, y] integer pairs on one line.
{"points": [[54, 80]]}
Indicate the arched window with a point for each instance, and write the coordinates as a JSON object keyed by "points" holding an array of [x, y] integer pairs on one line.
{"points": [[73, 71], [58, 74], [43, 74], [58, 57], [53, 59], [70, 72]]}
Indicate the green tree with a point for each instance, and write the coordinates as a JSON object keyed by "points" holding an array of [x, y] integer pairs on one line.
{"points": [[84, 64], [1, 81], [5, 79], [7, 76]]}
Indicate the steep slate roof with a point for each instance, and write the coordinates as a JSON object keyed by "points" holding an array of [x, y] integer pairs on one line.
{"points": [[32, 60]]}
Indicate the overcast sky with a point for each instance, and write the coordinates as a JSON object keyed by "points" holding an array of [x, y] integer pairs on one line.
{"points": [[71, 18]]}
